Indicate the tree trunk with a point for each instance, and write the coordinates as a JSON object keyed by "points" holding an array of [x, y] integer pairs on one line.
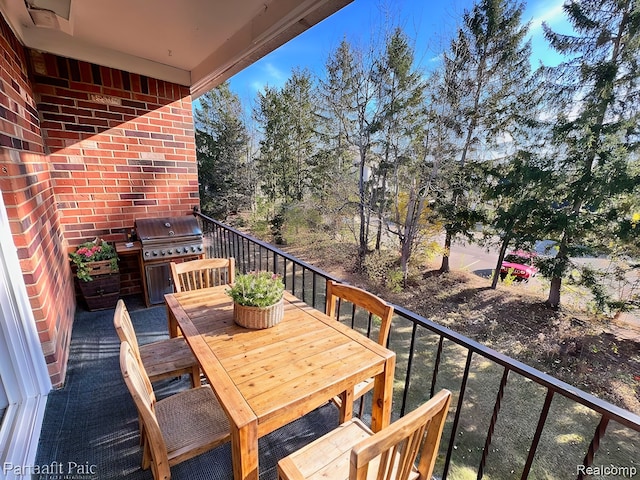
{"points": [[562, 258], [496, 273], [362, 247], [405, 253], [410, 229], [381, 210], [444, 268], [554, 293]]}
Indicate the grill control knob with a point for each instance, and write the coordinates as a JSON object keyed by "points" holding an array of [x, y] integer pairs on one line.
{"points": [[146, 254], [155, 253], [199, 248], [185, 249], [193, 249], [169, 251], [162, 252]]}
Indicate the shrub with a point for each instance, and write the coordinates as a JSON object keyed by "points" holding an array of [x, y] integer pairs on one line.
{"points": [[257, 289]]}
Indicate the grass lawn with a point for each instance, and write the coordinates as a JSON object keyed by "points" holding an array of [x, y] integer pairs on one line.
{"points": [[572, 345]]}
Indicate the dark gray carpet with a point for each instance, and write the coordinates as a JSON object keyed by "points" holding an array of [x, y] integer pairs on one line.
{"points": [[92, 421]]}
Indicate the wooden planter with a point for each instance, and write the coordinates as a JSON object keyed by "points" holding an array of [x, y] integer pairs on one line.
{"points": [[103, 267], [258, 317], [104, 290]]}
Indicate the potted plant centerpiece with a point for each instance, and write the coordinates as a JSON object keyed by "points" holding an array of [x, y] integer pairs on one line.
{"points": [[96, 268], [257, 299]]}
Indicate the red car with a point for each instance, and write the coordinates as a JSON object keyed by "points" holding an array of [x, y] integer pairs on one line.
{"points": [[519, 264]]}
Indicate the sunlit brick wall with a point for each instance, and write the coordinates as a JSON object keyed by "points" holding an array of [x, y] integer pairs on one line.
{"points": [[28, 195], [84, 151], [121, 146]]}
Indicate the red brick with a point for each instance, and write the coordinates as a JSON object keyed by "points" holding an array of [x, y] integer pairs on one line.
{"points": [[79, 191]]}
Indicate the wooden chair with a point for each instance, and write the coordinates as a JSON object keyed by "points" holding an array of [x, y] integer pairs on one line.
{"points": [[353, 451], [162, 359], [208, 272], [336, 294], [178, 427]]}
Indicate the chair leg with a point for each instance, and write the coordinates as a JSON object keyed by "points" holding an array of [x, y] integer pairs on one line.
{"points": [[361, 411], [195, 377], [146, 454]]}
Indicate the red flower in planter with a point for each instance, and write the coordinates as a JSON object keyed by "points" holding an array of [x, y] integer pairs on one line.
{"points": [[94, 251]]}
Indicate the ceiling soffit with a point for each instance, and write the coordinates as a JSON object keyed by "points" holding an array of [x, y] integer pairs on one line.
{"points": [[196, 43]]}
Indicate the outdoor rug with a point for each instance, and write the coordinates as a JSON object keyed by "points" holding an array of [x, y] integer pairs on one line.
{"points": [[90, 429]]}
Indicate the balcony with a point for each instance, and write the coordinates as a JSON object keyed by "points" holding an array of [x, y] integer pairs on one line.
{"points": [[92, 423], [507, 419]]}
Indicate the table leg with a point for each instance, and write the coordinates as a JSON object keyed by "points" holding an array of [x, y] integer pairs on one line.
{"points": [[346, 409], [172, 323], [244, 451], [382, 396]]}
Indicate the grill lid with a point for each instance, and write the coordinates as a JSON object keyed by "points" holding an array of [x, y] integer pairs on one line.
{"points": [[167, 228]]}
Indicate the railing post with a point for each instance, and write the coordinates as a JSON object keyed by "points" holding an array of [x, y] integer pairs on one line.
{"points": [[536, 438]]}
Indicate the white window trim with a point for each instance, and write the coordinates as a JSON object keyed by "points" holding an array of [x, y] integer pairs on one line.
{"points": [[23, 367]]}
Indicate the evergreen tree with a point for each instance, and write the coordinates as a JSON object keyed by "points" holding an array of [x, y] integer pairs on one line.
{"points": [[519, 191], [349, 93], [288, 124], [401, 96], [224, 171], [596, 128], [298, 93], [483, 88], [274, 164]]}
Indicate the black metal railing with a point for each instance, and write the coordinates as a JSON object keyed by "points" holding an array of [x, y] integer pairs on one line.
{"points": [[509, 420]]}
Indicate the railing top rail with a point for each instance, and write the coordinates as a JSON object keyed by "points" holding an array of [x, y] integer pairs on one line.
{"points": [[610, 411], [268, 246]]}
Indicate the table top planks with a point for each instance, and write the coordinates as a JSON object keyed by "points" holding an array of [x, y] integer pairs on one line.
{"points": [[273, 376]]}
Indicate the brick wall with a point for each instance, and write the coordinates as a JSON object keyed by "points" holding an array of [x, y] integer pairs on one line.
{"points": [[28, 194], [121, 146], [84, 151]]}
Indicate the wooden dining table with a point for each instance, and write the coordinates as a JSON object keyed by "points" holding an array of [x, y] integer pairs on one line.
{"points": [[265, 379]]}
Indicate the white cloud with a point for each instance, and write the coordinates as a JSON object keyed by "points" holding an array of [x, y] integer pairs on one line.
{"points": [[258, 86], [275, 73], [549, 12], [269, 74]]}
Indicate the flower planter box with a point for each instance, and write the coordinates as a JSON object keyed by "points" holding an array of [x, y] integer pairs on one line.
{"points": [[102, 267], [102, 292], [96, 260]]}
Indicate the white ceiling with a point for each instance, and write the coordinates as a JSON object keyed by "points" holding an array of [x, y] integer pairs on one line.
{"points": [[198, 43]]}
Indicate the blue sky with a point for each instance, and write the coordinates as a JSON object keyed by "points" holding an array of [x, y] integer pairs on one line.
{"points": [[428, 23]]}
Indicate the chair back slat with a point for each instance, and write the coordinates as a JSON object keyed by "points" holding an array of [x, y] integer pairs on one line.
{"points": [[204, 273], [137, 381], [396, 447], [124, 328], [336, 292]]}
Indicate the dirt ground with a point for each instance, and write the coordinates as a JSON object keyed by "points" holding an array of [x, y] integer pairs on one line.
{"points": [[595, 354]]}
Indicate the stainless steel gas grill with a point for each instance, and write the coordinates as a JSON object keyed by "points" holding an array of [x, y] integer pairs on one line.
{"points": [[165, 240]]}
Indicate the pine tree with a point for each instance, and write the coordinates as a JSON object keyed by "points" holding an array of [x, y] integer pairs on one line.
{"points": [[298, 93], [483, 80], [288, 124], [403, 116], [224, 171], [349, 94], [274, 164], [596, 129], [518, 191]]}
